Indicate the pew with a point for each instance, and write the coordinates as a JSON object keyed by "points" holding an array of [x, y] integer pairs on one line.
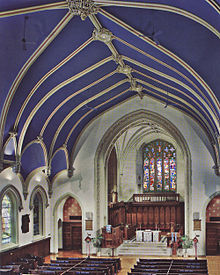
{"points": [[115, 261], [166, 266]]}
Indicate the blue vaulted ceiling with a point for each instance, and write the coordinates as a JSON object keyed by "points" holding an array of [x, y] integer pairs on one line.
{"points": [[59, 70]]}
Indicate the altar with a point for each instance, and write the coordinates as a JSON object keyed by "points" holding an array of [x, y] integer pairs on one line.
{"points": [[148, 235]]}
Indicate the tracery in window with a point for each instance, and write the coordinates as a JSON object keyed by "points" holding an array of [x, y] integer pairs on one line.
{"points": [[159, 167], [37, 211], [6, 220]]}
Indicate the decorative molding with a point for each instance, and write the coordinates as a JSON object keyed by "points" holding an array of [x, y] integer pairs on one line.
{"points": [[17, 167], [13, 133], [117, 58], [11, 189], [102, 35], [38, 189], [1, 161], [216, 147], [47, 171], [39, 139], [82, 8], [115, 131], [70, 172], [217, 170], [124, 69], [137, 88]]}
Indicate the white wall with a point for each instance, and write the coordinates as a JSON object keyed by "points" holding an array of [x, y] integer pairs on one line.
{"points": [[81, 185], [7, 177]]}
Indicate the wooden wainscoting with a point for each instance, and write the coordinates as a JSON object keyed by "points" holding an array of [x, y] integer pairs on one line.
{"points": [[39, 248]]}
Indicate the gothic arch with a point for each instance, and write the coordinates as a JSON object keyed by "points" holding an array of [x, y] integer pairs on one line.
{"points": [[60, 201], [11, 189], [107, 142], [38, 189]]}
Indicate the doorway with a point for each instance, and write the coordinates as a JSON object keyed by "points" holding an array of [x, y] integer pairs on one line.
{"points": [[213, 227], [72, 225]]}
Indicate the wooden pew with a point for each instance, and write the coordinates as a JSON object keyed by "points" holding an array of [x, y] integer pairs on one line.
{"points": [[108, 266], [115, 261]]}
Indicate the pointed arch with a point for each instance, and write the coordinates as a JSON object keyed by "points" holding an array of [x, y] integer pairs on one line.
{"points": [[107, 142], [38, 189], [11, 189]]}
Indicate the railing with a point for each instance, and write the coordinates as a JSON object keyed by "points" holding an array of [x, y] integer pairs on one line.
{"points": [[156, 197]]}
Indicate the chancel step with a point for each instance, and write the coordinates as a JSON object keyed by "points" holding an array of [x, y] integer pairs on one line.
{"points": [[144, 248]]}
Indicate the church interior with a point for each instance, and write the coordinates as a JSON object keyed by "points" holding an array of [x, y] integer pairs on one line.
{"points": [[110, 133]]}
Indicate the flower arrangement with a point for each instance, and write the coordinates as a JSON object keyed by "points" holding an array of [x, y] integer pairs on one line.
{"points": [[97, 241], [186, 243]]}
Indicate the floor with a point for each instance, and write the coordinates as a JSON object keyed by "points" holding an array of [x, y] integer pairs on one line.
{"points": [[128, 261]]}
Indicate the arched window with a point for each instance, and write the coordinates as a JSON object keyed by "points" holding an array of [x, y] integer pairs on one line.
{"points": [[159, 167], [9, 218], [38, 215], [7, 213]]}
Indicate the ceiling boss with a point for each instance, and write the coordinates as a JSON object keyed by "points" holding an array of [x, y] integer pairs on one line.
{"points": [[83, 8]]}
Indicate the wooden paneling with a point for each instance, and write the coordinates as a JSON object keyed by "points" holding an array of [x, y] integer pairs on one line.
{"points": [[113, 239], [139, 216], [145, 216], [148, 215], [40, 248], [173, 214], [212, 238], [134, 215], [72, 235], [167, 215], [162, 220], [156, 216], [151, 215]]}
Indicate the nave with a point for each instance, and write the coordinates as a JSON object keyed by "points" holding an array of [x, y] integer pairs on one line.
{"points": [[128, 262]]}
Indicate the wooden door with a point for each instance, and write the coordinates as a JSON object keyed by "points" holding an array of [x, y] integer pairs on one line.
{"points": [[67, 241], [77, 237], [212, 238], [72, 236]]}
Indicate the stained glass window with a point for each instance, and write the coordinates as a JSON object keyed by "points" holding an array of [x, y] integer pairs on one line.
{"points": [[159, 167], [37, 214], [6, 220]]}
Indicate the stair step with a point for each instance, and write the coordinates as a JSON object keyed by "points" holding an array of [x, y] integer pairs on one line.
{"points": [[144, 248]]}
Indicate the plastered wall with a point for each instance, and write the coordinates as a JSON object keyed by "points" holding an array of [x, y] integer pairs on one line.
{"points": [[82, 186]]}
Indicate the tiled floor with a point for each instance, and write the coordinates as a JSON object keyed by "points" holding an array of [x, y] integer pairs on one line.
{"points": [[127, 262]]}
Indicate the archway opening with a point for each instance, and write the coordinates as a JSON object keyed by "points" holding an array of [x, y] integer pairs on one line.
{"points": [[72, 225], [127, 136], [213, 227]]}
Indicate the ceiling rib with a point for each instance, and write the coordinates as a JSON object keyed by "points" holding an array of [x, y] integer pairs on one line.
{"points": [[107, 101], [179, 99], [33, 9], [161, 7], [214, 5], [171, 68], [165, 51], [186, 111], [51, 92], [71, 96], [26, 67], [172, 79], [78, 107], [48, 74]]}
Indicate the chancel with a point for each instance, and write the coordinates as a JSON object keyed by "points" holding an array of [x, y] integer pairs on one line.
{"points": [[109, 128]]}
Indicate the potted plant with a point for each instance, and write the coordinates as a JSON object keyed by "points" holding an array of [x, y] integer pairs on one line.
{"points": [[97, 242], [186, 243]]}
